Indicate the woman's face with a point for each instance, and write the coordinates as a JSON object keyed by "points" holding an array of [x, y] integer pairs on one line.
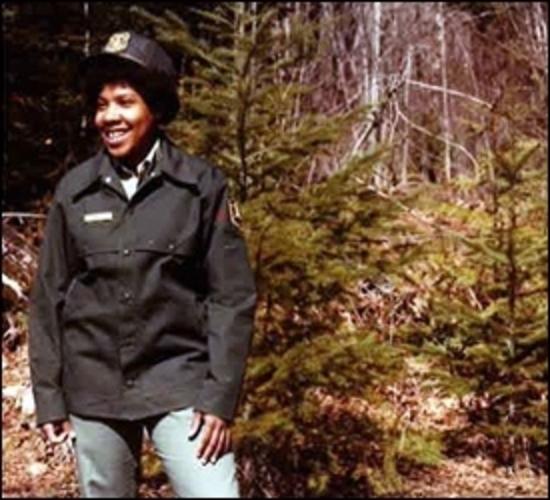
{"points": [[125, 122]]}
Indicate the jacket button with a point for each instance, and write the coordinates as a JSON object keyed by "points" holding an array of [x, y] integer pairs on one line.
{"points": [[171, 246], [126, 296], [126, 252], [130, 382]]}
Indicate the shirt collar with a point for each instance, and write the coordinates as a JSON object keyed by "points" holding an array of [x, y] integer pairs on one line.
{"points": [[142, 168]]}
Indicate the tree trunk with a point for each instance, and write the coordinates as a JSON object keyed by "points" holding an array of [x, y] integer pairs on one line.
{"points": [[440, 20], [407, 76], [86, 51]]}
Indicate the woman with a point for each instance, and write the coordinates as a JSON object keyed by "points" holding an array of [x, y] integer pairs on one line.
{"points": [[142, 307]]}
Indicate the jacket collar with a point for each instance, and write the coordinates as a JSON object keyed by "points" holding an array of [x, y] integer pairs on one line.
{"points": [[169, 159], [177, 164]]}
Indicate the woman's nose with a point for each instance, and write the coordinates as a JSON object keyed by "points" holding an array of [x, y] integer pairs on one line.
{"points": [[111, 113]]}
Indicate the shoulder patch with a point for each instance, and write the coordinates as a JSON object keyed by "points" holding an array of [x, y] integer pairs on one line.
{"points": [[229, 211], [234, 213]]}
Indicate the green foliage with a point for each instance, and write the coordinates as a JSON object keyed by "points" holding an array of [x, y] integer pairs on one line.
{"points": [[420, 449], [487, 320], [310, 250], [326, 447]]}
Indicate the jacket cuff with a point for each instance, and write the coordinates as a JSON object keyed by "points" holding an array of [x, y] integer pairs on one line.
{"points": [[50, 407], [218, 400]]}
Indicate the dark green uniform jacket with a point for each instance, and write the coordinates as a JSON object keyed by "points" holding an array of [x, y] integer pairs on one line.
{"points": [[140, 306]]}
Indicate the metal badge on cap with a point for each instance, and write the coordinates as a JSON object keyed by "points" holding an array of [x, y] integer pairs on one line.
{"points": [[117, 42]]}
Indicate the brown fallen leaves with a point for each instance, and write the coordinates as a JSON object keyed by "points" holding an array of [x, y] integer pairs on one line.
{"points": [[476, 477]]}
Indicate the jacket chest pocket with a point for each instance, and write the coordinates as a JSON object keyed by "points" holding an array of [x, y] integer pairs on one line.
{"points": [[178, 262], [169, 246], [168, 225]]}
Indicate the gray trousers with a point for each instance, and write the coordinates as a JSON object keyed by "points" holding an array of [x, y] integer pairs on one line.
{"points": [[108, 457]]}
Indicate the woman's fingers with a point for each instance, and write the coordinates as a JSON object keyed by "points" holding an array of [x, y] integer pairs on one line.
{"points": [[213, 442], [215, 438], [48, 432], [220, 449], [206, 436], [56, 432]]}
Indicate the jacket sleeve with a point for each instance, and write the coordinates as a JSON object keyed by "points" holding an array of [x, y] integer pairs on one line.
{"points": [[57, 258], [230, 304]]}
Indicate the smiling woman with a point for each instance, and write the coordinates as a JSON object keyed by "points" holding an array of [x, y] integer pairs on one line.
{"points": [[143, 304]]}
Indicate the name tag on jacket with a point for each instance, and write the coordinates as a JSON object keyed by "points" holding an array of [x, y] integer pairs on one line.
{"points": [[98, 217]]}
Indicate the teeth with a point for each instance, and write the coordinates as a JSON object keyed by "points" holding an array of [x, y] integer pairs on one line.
{"points": [[113, 134]]}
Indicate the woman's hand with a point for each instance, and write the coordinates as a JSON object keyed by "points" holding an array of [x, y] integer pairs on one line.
{"points": [[216, 436], [56, 432]]}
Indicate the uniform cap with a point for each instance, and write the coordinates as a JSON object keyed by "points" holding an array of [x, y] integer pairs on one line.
{"points": [[141, 56]]}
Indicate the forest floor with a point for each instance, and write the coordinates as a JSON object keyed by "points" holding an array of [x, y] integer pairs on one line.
{"points": [[31, 469]]}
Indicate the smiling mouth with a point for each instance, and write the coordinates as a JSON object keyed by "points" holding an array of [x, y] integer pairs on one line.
{"points": [[115, 137]]}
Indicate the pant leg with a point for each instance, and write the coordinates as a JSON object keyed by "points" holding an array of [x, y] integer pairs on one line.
{"points": [[189, 478], [107, 455]]}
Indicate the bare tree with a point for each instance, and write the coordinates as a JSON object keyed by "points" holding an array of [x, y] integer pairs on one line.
{"points": [[432, 75]]}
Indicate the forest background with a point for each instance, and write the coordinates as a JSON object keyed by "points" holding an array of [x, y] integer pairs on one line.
{"points": [[388, 165]]}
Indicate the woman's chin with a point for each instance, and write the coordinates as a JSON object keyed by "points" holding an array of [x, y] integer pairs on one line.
{"points": [[120, 153]]}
